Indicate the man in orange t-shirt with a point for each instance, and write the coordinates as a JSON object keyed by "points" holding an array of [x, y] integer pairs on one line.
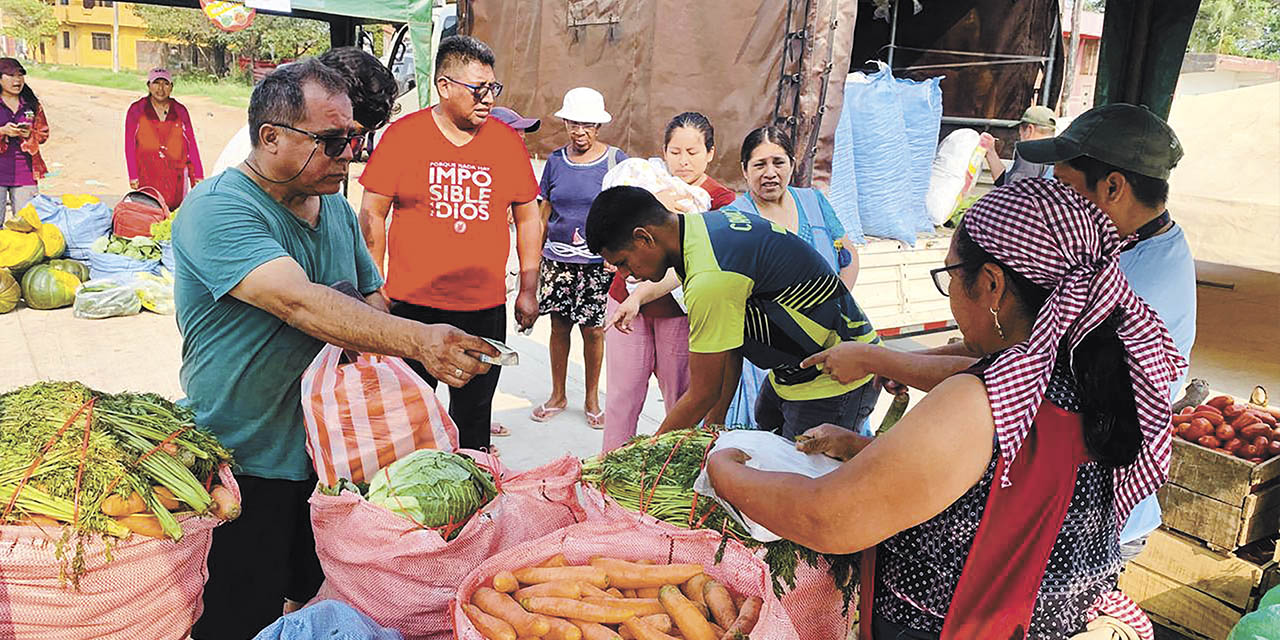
{"points": [[450, 172]]}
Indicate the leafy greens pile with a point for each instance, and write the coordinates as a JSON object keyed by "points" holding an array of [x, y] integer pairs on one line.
{"points": [[138, 248], [65, 449], [655, 475]]}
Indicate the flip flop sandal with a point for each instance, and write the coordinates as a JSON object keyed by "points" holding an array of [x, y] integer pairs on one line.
{"points": [[498, 429], [543, 413], [595, 420]]}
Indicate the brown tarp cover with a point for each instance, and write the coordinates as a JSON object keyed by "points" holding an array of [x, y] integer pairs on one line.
{"points": [[653, 59], [997, 91]]}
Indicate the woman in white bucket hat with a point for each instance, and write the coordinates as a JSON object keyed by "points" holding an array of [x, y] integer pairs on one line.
{"points": [[574, 284]]}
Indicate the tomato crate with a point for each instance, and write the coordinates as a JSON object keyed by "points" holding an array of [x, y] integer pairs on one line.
{"points": [[1196, 591], [1220, 499]]}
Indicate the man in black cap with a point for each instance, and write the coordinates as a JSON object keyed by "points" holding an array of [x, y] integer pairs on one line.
{"points": [[1119, 156]]}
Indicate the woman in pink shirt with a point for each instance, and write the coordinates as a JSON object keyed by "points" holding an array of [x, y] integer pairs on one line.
{"points": [[160, 143]]}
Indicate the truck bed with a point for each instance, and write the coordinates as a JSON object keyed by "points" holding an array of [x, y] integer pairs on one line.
{"points": [[894, 288]]}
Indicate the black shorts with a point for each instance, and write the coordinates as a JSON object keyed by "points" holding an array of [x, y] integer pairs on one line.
{"points": [[259, 559]]}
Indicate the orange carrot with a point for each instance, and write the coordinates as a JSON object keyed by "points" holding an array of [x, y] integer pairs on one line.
{"points": [[738, 599], [692, 588], [575, 610], [504, 582], [748, 615], [613, 592], [558, 560], [590, 590], [538, 575], [502, 606], [633, 575], [561, 589], [687, 618], [720, 603], [36, 520], [166, 497], [115, 506], [660, 621], [641, 631], [637, 606], [647, 592], [225, 505], [144, 524], [628, 593], [595, 631], [562, 629], [489, 626]]}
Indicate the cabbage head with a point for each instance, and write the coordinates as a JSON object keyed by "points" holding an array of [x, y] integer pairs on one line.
{"points": [[432, 488]]}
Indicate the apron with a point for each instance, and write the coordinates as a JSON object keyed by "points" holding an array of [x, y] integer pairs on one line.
{"points": [[162, 155], [1000, 582]]}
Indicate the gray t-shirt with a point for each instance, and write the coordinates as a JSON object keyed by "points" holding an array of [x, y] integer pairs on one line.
{"points": [[1023, 169]]}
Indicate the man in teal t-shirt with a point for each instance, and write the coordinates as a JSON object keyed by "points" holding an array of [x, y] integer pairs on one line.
{"points": [[258, 249]]}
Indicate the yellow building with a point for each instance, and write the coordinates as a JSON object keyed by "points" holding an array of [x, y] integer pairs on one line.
{"points": [[85, 39]]}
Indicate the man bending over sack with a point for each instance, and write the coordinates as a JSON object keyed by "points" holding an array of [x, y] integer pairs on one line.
{"points": [[258, 248], [753, 290]]}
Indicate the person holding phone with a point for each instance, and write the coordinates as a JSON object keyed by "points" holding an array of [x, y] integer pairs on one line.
{"points": [[23, 129]]}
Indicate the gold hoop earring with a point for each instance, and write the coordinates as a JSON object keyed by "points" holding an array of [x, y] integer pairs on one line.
{"points": [[995, 315]]}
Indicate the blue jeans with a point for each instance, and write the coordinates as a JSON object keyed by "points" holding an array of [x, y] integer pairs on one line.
{"points": [[791, 418], [16, 197]]}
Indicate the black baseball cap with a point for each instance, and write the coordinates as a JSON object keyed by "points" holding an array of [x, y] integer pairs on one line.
{"points": [[1123, 135]]}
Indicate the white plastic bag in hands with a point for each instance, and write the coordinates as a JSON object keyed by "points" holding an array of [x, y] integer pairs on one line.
{"points": [[769, 452]]}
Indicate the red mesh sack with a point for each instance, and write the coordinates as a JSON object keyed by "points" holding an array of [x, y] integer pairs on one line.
{"points": [[405, 577], [738, 570], [364, 413], [814, 603], [137, 211], [148, 588]]}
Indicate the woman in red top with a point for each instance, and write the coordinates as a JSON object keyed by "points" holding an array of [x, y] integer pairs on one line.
{"points": [[160, 143], [652, 336], [995, 505]]}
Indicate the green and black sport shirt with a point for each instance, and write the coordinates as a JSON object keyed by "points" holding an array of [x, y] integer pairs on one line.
{"points": [[751, 284]]}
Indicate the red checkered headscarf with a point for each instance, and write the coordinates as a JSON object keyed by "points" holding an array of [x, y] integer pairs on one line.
{"points": [[1054, 237]]}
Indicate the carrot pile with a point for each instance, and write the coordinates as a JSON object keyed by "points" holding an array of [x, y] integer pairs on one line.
{"points": [[610, 599]]}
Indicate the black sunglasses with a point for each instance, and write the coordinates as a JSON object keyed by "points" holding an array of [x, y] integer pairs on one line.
{"points": [[478, 91], [942, 277], [334, 144]]}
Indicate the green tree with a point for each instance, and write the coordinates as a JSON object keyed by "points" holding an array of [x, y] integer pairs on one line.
{"points": [[1237, 27], [31, 21], [268, 38]]}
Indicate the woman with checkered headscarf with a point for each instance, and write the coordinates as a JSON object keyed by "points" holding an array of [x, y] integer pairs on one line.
{"points": [[994, 506]]}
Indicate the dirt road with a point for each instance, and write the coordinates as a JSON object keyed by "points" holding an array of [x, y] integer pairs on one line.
{"points": [[85, 152]]}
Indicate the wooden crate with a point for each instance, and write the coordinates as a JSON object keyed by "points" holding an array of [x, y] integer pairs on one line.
{"points": [[1220, 499], [1199, 592]]}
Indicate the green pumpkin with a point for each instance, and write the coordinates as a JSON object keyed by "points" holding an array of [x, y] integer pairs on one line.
{"points": [[9, 291], [45, 287], [73, 267]]}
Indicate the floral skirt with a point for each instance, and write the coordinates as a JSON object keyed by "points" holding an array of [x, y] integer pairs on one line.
{"points": [[576, 292]]}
